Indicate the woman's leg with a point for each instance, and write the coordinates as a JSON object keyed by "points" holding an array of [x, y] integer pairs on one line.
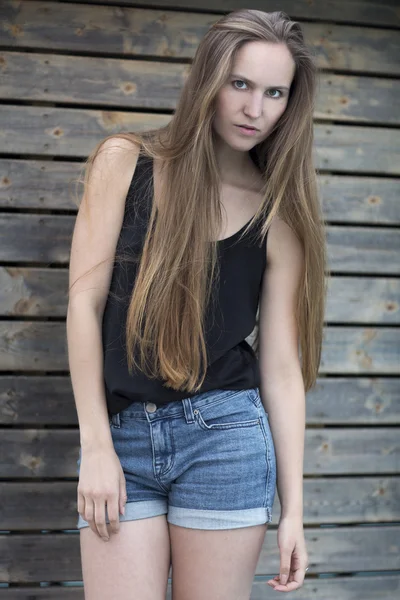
{"points": [[134, 563], [214, 564]]}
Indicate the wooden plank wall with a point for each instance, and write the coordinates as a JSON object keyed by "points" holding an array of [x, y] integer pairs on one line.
{"points": [[72, 73]]}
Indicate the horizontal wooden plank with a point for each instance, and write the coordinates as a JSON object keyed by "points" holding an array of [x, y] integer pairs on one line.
{"points": [[69, 132], [357, 99], [372, 12], [53, 505], [363, 401], [43, 184], [357, 149], [384, 587], [333, 451], [36, 292], [334, 550], [45, 400], [363, 250], [156, 33], [118, 82], [66, 132], [157, 85], [53, 185], [37, 346], [362, 300], [352, 199], [48, 400], [42, 292], [47, 239], [360, 350]]}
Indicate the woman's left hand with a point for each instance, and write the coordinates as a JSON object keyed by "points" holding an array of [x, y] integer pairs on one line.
{"points": [[293, 555]]}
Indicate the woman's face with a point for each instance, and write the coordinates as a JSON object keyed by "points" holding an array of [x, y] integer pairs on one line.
{"points": [[256, 93]]}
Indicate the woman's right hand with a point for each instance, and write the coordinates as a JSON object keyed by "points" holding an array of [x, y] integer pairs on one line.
{"points": [[101, 482]]}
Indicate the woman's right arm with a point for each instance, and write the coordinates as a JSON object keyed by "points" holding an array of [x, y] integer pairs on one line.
{"points": [[96, 232]]}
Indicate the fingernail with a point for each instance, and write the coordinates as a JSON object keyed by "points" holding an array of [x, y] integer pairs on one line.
{"points": [[106, 539]]}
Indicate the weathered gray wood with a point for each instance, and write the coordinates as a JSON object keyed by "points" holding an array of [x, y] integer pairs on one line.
{"points": [[37, 557], [360, 350], [350, 199], [38, 130], [40, 184], [43, 292], [47, 239], [359, 148], [343, 400], [33, 346], [36, 346], [71, 132], [117, 82], [33, 292], [133, 31], [43, 400], [362, 300], [369, 12], [384, 587], [363, 250], [36, 238], [54, 452], [357, 99], [45, 184], [53, 505], [144, 84]]}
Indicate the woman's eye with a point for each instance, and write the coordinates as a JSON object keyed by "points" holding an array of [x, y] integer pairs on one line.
{"points": [[279, 92], [239, 81]]}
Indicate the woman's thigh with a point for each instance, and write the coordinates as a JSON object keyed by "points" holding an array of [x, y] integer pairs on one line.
{"points": [[134, 563], [214, 564]]}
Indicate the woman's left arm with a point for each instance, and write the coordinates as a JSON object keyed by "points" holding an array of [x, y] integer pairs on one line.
{"points": [[282, 393]]}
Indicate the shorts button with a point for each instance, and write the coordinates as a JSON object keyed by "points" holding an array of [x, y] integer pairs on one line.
{"points": [[151, 407]]}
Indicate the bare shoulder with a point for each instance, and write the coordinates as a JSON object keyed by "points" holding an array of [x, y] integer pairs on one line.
{"points": [[119, 145], [283, 246], [115, 151], [111, 173]]}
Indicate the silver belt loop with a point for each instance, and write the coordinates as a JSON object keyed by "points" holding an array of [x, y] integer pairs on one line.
{"points": [[188, 410]]}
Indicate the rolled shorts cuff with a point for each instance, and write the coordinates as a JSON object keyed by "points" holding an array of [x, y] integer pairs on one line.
{"points": [[218, 519], [189, 517], [135, 510]]}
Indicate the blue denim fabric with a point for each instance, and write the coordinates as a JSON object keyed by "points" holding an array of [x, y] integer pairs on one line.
{"points": [[207, 462]]}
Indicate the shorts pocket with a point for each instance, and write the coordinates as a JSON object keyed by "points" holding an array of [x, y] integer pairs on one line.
{"points": [[233, 413], [255, 396]]}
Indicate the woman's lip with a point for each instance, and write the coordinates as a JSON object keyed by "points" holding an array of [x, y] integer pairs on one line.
{"points": [[245, 131], [246, 127]]}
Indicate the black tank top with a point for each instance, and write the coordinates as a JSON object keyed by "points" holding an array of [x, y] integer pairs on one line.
{"points": [[232, 363]]}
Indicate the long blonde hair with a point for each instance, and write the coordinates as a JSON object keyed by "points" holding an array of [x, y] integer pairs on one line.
{"points": [[178, 265]]}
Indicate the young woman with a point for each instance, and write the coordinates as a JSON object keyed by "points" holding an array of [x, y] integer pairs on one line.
{"points": [[185, 425]]}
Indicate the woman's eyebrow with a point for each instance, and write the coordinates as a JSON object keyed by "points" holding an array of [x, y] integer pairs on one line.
{"points": [[283, 87]]}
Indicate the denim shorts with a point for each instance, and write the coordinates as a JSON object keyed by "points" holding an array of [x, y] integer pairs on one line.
{"points": [[207, 462]]}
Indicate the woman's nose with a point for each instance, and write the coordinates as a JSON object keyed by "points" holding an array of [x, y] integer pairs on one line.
{"points": [[254, 107]]}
